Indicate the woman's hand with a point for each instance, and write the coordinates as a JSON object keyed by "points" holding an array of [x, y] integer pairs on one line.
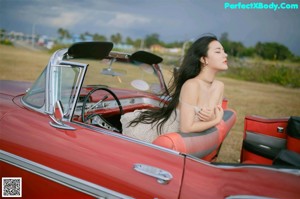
{"points": [[219, 112], [205, 114]]}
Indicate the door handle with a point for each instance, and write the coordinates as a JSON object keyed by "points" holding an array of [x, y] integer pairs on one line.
{"points": [[162, 176]]}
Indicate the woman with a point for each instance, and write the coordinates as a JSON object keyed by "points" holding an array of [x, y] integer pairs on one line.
{"points": [[195, 100]]}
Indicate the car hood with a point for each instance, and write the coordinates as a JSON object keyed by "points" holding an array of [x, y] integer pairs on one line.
{"points": [[13, 88]]}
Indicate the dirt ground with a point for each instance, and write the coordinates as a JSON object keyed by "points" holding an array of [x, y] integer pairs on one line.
{"points": [[246, 98]]}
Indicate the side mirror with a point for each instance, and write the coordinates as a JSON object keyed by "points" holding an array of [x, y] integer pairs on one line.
{"points": [[57, 117]]}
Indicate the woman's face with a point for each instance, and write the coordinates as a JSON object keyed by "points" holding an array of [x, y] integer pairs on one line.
{"points": [[216, 56]]}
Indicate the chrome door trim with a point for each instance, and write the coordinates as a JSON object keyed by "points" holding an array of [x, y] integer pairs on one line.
{"points": [[60, 177], [294, 171], [247, 197]]}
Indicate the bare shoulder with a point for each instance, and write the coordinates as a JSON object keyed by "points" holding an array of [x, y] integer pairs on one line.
{"points": [[219, 85], [190, 88], [191, 84]]}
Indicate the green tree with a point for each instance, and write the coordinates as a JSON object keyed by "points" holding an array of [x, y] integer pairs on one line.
{"points": [[138, 43], [175, 44], [224, 37], [117, 38], [63, 33], [224, 40], [233, 48], [2, 32], [236, 48], [152, 39], [129, 41], [97, 37], [273, 51], [248, 52]]}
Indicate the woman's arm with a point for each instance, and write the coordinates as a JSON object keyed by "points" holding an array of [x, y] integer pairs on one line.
{"points": [[221, 92], [188, 125], [189, 95], [207, 113]]}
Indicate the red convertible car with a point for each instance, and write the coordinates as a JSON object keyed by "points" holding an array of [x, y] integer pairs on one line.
{"points": [[62, 137]]}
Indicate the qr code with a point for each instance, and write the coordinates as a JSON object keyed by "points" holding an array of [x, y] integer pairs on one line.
{"points": [[11, 187]]}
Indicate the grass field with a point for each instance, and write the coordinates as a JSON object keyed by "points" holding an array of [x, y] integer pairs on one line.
{"points": [[246, 98]]}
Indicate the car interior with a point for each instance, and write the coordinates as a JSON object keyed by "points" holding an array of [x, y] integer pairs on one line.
{"points": [[134, 81], [127, 84], [271, 141], [102, 105]]}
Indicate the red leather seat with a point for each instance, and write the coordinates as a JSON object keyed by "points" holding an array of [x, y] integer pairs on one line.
{"points": [[205, 144], [293, 134], [271, 141]]}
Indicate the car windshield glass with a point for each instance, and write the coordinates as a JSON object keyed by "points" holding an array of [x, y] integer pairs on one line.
{"points": [[36, 95], [65, 79], [124, 75]]}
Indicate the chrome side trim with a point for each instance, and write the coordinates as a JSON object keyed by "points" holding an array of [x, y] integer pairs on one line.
{"points": [[229, 166], [247, 197], [60, 177], [61, 126]]}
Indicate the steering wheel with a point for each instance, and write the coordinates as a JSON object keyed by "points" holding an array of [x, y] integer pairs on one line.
{"points": [[97, 119]]}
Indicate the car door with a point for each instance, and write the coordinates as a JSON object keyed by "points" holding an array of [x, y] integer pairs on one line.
{"points": [[85, 160], [207, 180], [263, 139], [58, 158], [89, 155]]}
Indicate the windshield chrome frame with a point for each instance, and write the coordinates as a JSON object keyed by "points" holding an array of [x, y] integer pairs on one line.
{"points": [[56, 60], [61, 57]]}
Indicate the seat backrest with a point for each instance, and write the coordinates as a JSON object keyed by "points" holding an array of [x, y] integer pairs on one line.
{"points": [[205, 144], [293, 134]]}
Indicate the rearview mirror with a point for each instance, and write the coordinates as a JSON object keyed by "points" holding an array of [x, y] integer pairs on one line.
{"points": [[112, 72]]}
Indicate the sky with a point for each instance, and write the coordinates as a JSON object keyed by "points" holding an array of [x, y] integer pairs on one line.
{"points": [[172, 20]]}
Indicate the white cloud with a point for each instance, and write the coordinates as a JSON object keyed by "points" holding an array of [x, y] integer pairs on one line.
{"points": [[65, 19], [125, 20], [172, 20]]}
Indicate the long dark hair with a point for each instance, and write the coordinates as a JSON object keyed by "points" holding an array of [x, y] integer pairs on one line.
{"points": [[190, 68]]}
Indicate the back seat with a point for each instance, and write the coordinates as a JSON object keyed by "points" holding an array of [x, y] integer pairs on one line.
{"points": [[261, 149], [205, 144]]}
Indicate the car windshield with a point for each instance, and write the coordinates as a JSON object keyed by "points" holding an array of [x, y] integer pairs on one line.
{"points": [[36, 97], [124, 75]]}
